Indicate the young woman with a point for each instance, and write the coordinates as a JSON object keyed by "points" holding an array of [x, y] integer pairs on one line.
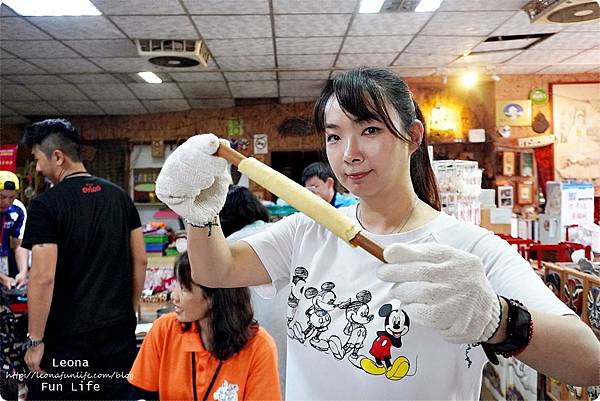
{"points": [[210, 348], [360, 329]]}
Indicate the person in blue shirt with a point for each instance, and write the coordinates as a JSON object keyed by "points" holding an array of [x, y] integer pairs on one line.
{"points": [[319, 179], [13, 258]]}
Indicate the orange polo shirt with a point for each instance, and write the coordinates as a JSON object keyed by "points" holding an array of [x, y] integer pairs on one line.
{"points": [[164, 364]]}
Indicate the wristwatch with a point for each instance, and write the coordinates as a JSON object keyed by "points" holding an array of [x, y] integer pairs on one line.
{"points": [[30, 343], [519, 331]]}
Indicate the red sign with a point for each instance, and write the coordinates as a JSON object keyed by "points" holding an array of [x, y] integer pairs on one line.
{"points": [[8, 157]]}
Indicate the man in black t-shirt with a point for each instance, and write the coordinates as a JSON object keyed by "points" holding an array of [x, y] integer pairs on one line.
{"points": [[87, 273]]}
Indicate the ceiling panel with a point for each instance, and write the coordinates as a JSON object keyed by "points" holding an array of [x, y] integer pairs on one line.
{"points": [[90, 78], [122, 106], [211, 103], [17, 66], [77, 27], [518, 69], [240, 47], [19, 29], [16, 92], [542, 56], [504, 45], [6, 11], [388, 24], [125, 64], [375, 44], [590, 57], [5, 54], [38, 48], [196, 76], [303, 25], [317, 45], [156, 27], [313, 61], [65, 65], [443, 44], [57, 92], [254, 89], [246, 62], [250, 76], [197, 90], [231, 27], [565, 69], [419, 60], [478, 5], [314, 6], [310, 75], [227, 7], [486, 58], [476, 23], [301, 88], [37, 108], [569, 40], [139, 7], [77, 107], [371, 60], [104, 47], [164, 106], [37, 79], [591, 26], [106, 91], [519, 24], [156, 91]]}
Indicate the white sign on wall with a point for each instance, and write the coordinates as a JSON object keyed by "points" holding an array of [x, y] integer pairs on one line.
{"points": [[261, 144]]}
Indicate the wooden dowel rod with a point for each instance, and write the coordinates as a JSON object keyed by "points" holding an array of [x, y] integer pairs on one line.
{"points": [[360, 240]]}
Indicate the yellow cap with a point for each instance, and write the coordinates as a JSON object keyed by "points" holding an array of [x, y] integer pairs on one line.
{"points": [[8, 180]]}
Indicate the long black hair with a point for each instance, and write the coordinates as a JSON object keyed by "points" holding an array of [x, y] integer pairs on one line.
{"points": [[241, 208], [230, 313], [365, 93]]}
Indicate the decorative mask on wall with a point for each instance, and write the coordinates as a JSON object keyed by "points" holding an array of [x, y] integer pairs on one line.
{"points": [[572, 291], [593, 307]]}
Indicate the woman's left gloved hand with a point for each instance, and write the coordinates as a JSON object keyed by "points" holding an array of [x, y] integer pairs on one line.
{"points": [[443, 288]]}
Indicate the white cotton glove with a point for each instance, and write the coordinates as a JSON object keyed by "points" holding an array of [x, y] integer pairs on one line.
{"points": [[443, 288], [193, 182]]}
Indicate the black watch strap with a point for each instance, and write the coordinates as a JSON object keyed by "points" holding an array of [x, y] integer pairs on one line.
{"points": [[519, 331]]}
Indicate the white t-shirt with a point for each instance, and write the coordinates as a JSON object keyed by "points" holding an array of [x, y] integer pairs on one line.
{"points": [[341, 318]]}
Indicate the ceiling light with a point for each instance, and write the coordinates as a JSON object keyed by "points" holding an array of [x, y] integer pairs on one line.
{"points": [[45, 8], [426, 6], [370, 6], [469, 79], [495, 77], [150, 77]]}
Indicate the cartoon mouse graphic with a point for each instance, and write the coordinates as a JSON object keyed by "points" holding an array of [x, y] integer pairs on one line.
{"points": [[318, 315], [296, 290], [357, 315], [396, 325]]}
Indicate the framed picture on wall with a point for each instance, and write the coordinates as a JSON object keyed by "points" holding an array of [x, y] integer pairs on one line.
{"points": [[513, 113], [505, 196], [524, 193], [575, 122], [507, 163], [526, 163]]}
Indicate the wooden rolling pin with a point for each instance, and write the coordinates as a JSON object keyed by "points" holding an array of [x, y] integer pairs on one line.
{"points": [[302, 199]]}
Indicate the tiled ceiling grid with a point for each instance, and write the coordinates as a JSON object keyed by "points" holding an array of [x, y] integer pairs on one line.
{"points": [[283, 49]]}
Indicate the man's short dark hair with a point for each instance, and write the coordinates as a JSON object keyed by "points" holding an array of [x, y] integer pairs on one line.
{"points": [[317, 169], [53, 134]]}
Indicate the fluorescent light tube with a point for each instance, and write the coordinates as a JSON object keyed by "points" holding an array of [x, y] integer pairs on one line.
{"points": [[45, 8], [150, 77]]}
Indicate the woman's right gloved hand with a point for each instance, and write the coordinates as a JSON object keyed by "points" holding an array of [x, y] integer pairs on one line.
{"points": [[193, 182]]}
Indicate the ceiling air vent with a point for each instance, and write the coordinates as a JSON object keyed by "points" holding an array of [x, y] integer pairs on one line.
{"points": [[173, 53], [562, 11]]}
